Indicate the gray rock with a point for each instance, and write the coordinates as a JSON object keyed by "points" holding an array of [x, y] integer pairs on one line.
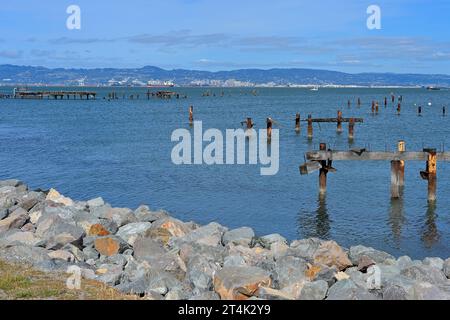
{"points": [[90, 253], [132, 231], [435, 262], [30, 199], [97, 202], [305, 248], [11, 183], [21, 237], [210, 234], [188, 250], [404, 262], [77, 253], [428, 291], [35, 256], [3, 213], [15, 220], [121, 216], [234, 261], [425, 274], [348, 290], [240, 236], [109, 274], [155, 281], [267, 293], [151, 251], [446, 268], [269, 239], [394, 292], [144, 214], [56, 232], [316, 290], [289, 270], [327, 273], [210, 295], [200, 271], [356, 252]]}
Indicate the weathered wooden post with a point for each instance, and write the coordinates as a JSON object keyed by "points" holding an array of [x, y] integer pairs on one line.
{"points": [[399, 107], [419, 111], [310, 127], [395, 183], [349, 104], [351, 125], [323, 172], [385, 102], [443, 111], [269, 129], [401, 147], [297, 122], [359, 102], [376, 107], [191, 115], [430, 173], [373, 107], [392, 98], [339, 121]]}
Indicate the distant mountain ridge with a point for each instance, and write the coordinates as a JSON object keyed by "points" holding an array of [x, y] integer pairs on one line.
{"points": [[13, 74]]}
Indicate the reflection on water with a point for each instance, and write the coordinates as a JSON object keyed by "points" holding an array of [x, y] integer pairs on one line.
{"points": [[397, 218], [315, 224], [430, 233]]}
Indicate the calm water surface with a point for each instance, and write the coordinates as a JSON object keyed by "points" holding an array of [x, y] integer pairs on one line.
{"points": [[120, 150]]}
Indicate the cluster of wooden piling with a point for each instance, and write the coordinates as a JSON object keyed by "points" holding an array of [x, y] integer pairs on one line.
{"points": [[19, 94], [322, 159]]}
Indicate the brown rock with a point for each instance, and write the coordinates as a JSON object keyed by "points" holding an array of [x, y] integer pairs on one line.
{"points": [[313, 271], [164, 229], [240, 283], [98, 230], [365, 262], [15, 220], [107, 246], [331, 254]]}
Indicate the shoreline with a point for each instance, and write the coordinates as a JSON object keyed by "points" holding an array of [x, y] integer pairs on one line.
{"points": [[151, 254]]}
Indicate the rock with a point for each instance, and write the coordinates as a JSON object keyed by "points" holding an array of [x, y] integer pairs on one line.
{"points": [[348, 290], [56, 197], [132, 231], [331, 254], [11, 183], [200, 271], [394, 292], [435, 262], [210, 295], [240, 236], [428, 291], [90, 253], [144, 214], [56, 232], [164, 229], [97, 202], [268, 240], [273, 294], [62, 255], [327, 273], [23, 254], [278, 249], [109, 245], [234, 261], [109, 274], [404, 262], [364, 263], [26, 238], [305, 248], [252, 256], [156, 281], [14, 221], [28, 227], [289, 270], [316, 290], [378, 256], [216, 254], [34, 216], [177, 294], [151, 251], [210, 234], [29, 200], [98, 230], [425, 273], [3, 213], [121, 216], [77, 253], [240, 283], [446, 268], [341, 276]]}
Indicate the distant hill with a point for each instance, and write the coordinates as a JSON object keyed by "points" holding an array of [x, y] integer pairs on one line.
{"points": [[12, 74]]}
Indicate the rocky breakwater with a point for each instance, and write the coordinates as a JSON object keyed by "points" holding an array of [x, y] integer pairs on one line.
{"points": [[151, 254]]}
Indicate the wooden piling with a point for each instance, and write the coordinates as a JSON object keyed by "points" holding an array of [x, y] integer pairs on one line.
{"points": [[395, 181], [297, 122], [376, 107], [351, 126], [269, 129], [419, 111], [385, 102], [430, 173], [191, 115], [349, 104], [401, 147], [310, 127], [339, 121], [399, 107], [359, 102], [443, 111], [323, 172], [373, 107]]}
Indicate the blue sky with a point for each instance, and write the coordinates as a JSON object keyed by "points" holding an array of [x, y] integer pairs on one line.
{"points": [[231, 34]]}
